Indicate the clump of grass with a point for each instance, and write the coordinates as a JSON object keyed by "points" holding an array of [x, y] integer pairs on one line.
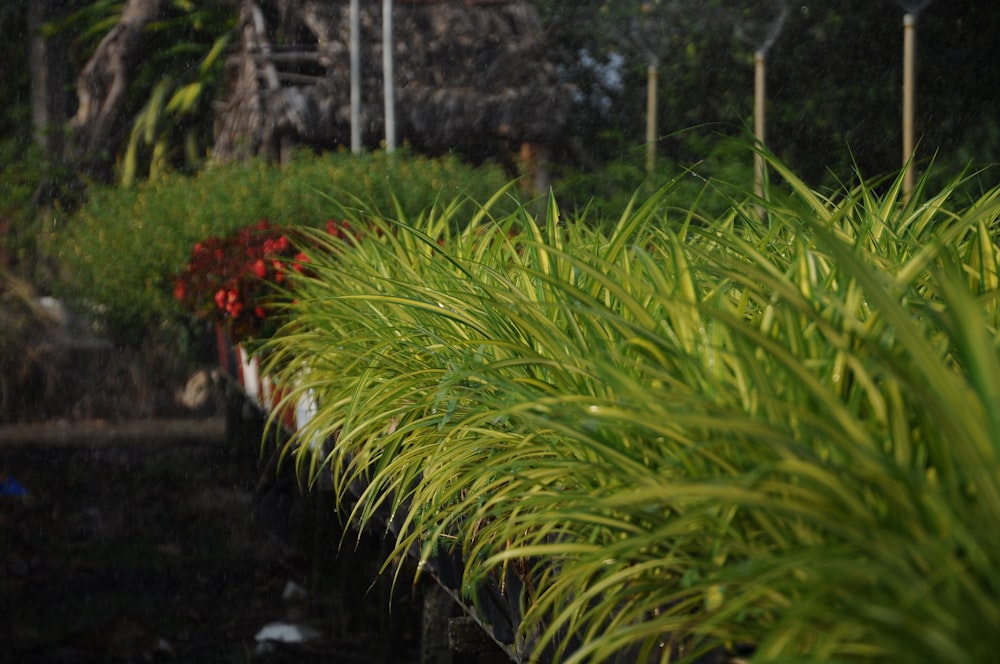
{"points": [[682, 436]]}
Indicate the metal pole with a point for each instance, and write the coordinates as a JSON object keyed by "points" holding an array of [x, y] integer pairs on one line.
{"points": [[651, 121], [758, 124], [388, 74], [355, 48], [909, 87]]}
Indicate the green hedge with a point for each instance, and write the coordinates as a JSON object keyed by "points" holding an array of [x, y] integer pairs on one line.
{"points": [[712, 185], [120, 251]]}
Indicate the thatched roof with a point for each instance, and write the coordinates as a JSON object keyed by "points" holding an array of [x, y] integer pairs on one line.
{"points": [[468, 73]]}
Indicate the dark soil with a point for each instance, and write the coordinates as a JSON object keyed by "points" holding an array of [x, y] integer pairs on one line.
{"points": [[139, 548]]}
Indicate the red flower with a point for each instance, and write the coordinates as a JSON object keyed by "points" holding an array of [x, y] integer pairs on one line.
{"points": [[228, 280]]}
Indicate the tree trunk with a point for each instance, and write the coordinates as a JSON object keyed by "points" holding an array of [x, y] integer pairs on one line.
{"points": [[49, 66], [102, 87]]}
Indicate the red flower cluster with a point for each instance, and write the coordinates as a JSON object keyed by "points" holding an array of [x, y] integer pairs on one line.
{"points": [[230, 280]]}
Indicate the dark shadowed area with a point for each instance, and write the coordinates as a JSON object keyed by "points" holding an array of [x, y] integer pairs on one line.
{"points": [[164, 540]]}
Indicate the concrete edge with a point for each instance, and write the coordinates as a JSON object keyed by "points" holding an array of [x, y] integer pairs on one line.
{"points": [[121, 432]]}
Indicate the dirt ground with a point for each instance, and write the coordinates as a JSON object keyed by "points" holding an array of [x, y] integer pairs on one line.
{"points": [[163, 544]]}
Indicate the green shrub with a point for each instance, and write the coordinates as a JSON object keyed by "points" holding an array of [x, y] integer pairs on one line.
{"points": [[711, 184], [681, 437], [121, 251]]}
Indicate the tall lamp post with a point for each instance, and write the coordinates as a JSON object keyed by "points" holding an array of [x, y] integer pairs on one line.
{"points": [[912, 9]]}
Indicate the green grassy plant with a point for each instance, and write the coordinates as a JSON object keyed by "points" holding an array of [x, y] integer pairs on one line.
{"points": [[681, 436]]}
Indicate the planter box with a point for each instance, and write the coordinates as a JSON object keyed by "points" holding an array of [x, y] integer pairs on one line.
{"points": [[259, 389]]}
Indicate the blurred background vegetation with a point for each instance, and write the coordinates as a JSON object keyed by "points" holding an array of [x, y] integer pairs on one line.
{"points": [[146, 232], [834, 78], [833, 105]]}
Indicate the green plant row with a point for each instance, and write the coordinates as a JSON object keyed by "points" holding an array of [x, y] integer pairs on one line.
{"points": [[681, 437], [604, 193], [122, 250]]}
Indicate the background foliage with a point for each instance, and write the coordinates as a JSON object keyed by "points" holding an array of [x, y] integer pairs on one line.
{"points": [[19, 172], [124, 247], [173, 86], [834, 79]]}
